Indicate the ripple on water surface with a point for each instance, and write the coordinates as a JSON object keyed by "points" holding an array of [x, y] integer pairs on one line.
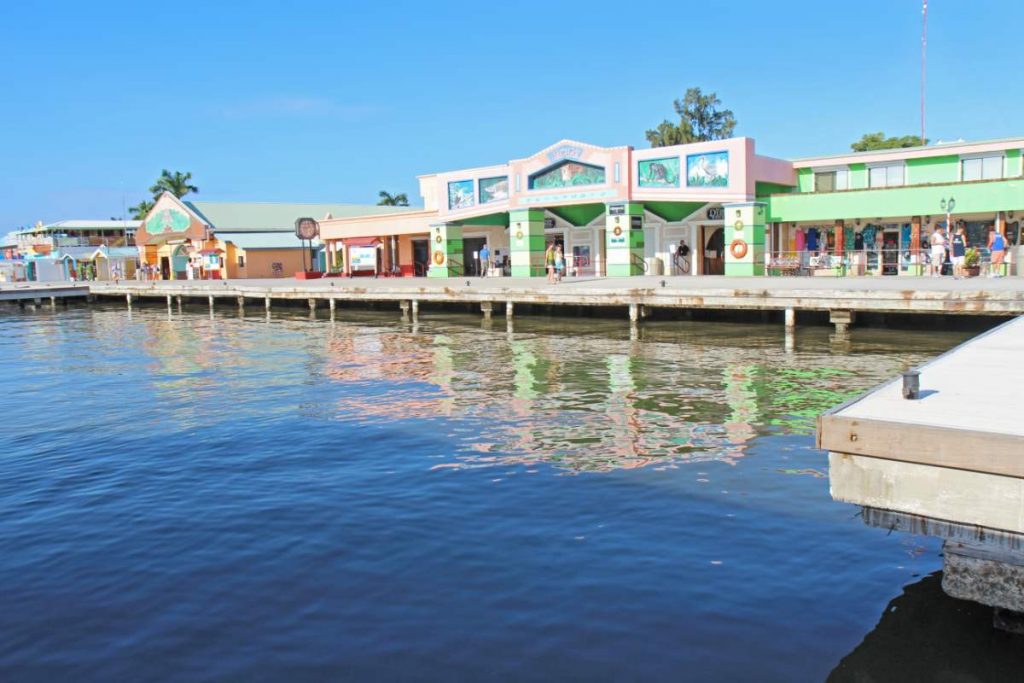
{"points": [[184, 497]]}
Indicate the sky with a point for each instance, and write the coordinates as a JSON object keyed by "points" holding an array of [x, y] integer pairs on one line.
{"points": [[333, 101]]}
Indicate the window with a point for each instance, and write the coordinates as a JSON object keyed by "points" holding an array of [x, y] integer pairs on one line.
{"points": [[830, 181], [241, 261], [886, 176], [982, 168]]}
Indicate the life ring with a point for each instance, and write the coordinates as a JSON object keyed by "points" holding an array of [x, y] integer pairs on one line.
{"points": [[439, 257], [617, 231], [439, 239], [738, 249]]}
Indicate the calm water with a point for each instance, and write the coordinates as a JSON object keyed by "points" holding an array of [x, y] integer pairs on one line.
{"points": [[185, 497]]}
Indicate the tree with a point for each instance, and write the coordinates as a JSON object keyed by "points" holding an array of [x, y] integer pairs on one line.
{"points": [[388, 199], [700, 119], [176, 183], [873, 141], [140, 210]]}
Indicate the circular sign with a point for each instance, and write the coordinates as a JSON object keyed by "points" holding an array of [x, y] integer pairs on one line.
{"points": [[617, 231], [519, 234], [738, 225], [439, 239], [307, 229], [439, 257], [738, 249]]}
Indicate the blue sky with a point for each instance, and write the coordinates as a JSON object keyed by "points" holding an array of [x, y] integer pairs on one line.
{"points": [[333, 101]]}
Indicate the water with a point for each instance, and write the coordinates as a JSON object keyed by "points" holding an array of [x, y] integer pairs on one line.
{"points": [[187, 497]]}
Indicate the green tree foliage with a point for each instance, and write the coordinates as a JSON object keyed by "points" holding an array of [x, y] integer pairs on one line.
{"points": [[700, 119], [873, 141], [388, 199], [140, 210], [179, 184]]}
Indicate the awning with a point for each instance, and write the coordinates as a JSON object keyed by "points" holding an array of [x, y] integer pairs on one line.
{"points": [[361, 241], [208, 252]]}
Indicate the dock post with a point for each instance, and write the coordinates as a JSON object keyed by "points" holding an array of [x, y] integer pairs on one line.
{"points": [[266, 303], [168, 301], [509, 309], [415, 309], [53, 302], [312, 306], [487, 307], [634, 313], [333, 303], [211, 303], [842, 320], [790, 318], [128, 299], [241, 303], [405, 306], [177, 300]]}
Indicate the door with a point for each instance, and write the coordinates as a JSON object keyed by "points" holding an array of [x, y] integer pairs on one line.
{"points": [[420, 257], [713, 254], [471, 247], [890, 252], [165, 268]]}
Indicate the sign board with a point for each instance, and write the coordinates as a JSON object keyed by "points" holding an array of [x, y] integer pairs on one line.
{"points": [[716, 213], [549, 223], [636, 222], [307, 229], [363, 258], [617, 210]]}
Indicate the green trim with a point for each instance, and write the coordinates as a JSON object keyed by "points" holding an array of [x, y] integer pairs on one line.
{"points": [[805, 180], [765, 189], [526, 215], [501, 219], [673, 212], [578, 214]]}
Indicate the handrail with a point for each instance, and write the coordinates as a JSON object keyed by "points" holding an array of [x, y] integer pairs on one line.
{"points": [[638, 262], [420, 269], [455, 265]]}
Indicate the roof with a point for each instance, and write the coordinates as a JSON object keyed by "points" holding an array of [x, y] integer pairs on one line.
{"points": [[77, 253], [82, 224], [275, 217], [261, 240], [917, 151], [120, 252]]}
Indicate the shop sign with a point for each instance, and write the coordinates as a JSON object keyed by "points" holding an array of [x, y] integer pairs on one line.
{"points": [[549, 223], [363, 258], [565, 152], [617, 210], [716, 213], [636, 222]]}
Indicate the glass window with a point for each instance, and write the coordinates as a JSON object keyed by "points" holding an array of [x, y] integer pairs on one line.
{"points": [[992, 168], [886, 176], [825, 182], [877, 176], [843, 180], [971, 169]]}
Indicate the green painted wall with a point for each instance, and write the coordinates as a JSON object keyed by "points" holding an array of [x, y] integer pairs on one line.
{"points": [[624, 251], [446, 251], [805, 180], [526, 242], [933, 170], [858, 176], [765, 189], [580, 214], [1013, 166], [978, 197], [672, 211], [745, 223], [489, 219]]}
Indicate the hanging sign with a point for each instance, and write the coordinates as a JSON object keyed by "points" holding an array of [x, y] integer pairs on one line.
{"points": [[307, 229], [715, 213]]}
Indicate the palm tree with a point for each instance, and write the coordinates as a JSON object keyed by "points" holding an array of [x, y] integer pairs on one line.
{"points": [[388, 199], [176, 183], [140, 210]]}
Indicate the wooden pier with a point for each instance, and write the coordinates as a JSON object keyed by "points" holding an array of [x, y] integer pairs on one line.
{"points": [[842, 299], [38, 293], [949, 463]]}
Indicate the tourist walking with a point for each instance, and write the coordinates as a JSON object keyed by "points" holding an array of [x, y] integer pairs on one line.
{"points": [[959, 251], [549, 262], [485, 260], [559, 263], [997, 247], [938, 242]]}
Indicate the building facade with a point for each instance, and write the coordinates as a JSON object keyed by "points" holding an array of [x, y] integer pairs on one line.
{"points": [[706, 208]]}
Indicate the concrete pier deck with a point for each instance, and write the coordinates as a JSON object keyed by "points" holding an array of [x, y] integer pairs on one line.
{"points": [[31, 291], [882, 295]]}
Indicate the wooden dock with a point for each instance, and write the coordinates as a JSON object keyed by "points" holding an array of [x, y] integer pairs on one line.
{"points": [[841, 298]]}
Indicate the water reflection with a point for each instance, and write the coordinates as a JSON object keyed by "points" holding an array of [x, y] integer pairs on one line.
{"points": [[597, 400]]}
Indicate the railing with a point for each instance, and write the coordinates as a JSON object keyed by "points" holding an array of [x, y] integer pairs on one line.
{"points": [[638, 262], [420, 269], [920, 262]]}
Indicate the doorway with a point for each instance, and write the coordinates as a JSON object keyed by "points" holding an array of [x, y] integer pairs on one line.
{"points": [[471, 247], [165, 268], [713, 239], [890, 252], [420, 257]]}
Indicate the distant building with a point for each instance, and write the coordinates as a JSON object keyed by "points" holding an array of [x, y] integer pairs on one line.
{"points": [[43, 240], [182, 239]]}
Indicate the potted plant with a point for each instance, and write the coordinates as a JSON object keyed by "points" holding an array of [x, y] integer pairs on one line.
{"points": [[972, 262]]}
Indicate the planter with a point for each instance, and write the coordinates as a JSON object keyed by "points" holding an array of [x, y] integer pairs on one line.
{"points": [[972, 271], [308, 275]]}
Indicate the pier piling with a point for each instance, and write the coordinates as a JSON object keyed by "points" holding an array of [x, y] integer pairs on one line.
{"points": [[487, 307], [211, 303], [634, 313], [128, 299], [415, 309], [509, 309], [312, 306], [405, 305], [790, 318], [266, 303], [241, 303], [169, 304], [842, 320]]}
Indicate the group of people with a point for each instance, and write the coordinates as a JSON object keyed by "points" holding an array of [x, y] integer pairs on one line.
{"points": [[554, 262], [955, 247]]}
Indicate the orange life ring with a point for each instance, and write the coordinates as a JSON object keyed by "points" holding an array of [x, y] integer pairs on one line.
{"points": [[617, 231], [738, 249], [438, 257]]}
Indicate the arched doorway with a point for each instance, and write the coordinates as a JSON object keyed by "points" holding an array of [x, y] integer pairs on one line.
{"points": [[713, 239], [179, 264]]}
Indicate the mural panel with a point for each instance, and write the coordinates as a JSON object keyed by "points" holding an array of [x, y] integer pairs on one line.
{"points": [[493, 189], [167, 220], [568, 174], [461, 195], [658, 172], [707, 170]]}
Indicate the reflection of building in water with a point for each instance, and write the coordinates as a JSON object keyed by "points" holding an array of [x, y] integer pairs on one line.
{"points": [[742, 403], [925, 635]]}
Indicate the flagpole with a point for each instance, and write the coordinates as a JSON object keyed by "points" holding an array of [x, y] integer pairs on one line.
{"points": [[924, 57]]}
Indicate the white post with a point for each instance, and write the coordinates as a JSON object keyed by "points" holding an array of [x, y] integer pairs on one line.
{"points": [[790, 318]]}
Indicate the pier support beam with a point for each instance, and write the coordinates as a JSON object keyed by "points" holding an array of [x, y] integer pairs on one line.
{"points": [[405, 305], [510, 308], [53, 302], [128, 299], [211, 302], [266, 303], [169, 301], [415, 309], [241, 303], [842, 320], [634, 313], [790, 318], [333, 303], [487, 308], [178, 301]]}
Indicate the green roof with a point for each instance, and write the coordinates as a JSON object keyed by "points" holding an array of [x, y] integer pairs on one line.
{"points": [[262, 239], [274, 217]]}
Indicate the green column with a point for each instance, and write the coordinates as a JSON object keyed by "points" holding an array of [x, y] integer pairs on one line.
{"points": [[446, 251], [624, 239], [744, 232], [526, 239]]}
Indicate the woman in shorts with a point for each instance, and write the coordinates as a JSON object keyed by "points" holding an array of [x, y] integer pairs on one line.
{"points": [[938, 242], [996, 245]]}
